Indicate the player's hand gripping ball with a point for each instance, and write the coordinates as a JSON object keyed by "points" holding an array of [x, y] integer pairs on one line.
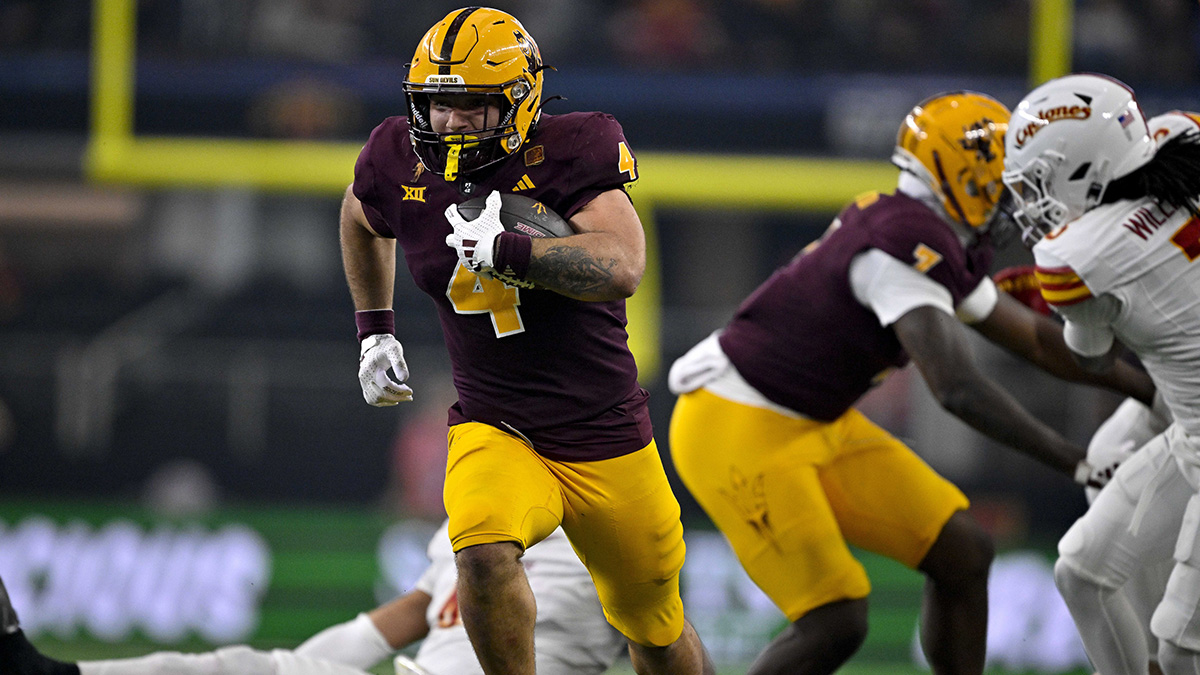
{"points": [[478, 221]]}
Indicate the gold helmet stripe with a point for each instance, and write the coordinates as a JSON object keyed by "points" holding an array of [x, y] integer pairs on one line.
{"points": [[447, 49]]}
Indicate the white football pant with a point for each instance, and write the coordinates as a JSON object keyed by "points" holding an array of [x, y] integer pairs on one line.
{"points": [[1114, 542], [1130, 427]]}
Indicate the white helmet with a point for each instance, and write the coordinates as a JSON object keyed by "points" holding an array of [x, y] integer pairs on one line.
{"points": [[1067, 140]]}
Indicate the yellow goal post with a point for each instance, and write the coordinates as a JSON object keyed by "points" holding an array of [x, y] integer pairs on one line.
{"points": [[115, 154]]}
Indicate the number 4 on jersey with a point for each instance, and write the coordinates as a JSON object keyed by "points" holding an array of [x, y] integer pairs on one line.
{"points": [[471, 294], [625, 161]]}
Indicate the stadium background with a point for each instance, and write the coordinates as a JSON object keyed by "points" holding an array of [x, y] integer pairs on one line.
{"points": [[185, 459]]}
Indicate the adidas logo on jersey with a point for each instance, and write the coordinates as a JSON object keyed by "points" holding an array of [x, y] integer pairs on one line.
{"points": [[524, 184]]}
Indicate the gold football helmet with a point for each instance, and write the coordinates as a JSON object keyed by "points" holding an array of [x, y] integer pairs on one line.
{"points": [[476, 51], [954, 143]]}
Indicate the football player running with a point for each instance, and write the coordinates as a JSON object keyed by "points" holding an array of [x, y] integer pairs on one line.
{"points": [[1122, 231], [551, 427], [793, 474], [573, 637]]}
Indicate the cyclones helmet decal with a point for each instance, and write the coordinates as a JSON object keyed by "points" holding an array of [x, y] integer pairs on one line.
{"points": [[474, 51], [1076, 134]]}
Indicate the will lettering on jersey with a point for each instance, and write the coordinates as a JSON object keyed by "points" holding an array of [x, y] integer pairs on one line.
{"points": [[1145, 221]]}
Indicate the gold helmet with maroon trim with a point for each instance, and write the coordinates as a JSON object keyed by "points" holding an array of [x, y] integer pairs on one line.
{"points": [[954, 143], [474, 51]]}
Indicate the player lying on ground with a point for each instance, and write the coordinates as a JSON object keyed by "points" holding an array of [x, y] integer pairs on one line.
{"points": [[571, 635]]}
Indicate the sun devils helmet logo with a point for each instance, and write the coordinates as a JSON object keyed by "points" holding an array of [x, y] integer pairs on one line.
{"points": [[978, 138], [532, 58], [954, 144], [482, 52]]}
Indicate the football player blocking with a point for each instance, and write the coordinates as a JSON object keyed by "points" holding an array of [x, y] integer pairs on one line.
{"points": [[551, 427], [793, 474], [1116, 200], [1126, 430]]}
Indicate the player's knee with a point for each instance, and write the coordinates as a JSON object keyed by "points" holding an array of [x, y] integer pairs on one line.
{"points": [[1066, 578], [1174, 621], [482, 564], [822, 639], [1073, 584], [977, 553], [843, 624], [1176, 660], [963, 553]]}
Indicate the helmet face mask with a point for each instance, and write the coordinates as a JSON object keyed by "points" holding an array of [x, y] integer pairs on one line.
{"points": [[954, 143], [474, 52], [1037, 212], [1071, 138]]}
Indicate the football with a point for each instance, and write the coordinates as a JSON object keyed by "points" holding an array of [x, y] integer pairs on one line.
{"points": [[522, 215]]}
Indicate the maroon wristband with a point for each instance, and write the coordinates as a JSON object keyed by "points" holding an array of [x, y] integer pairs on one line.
{"points": [[374, 321], [513, 252]]}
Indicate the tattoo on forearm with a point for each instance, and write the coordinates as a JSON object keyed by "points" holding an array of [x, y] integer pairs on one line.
{"points": [[572, 269]]}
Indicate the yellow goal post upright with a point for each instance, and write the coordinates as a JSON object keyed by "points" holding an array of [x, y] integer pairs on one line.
{"points": [[115, 154]]}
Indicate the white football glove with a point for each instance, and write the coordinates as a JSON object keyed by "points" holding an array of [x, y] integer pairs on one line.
{"points": [[378, 353], [475, 240], [1130, 427]]}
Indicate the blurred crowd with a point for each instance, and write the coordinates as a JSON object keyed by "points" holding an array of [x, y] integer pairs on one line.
{"points": [[745, 76], [1137, 40]]}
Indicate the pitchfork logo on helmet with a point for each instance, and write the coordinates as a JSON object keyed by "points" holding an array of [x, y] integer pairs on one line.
{"points": [[476, 51], [954, 143], [1076, 134]]}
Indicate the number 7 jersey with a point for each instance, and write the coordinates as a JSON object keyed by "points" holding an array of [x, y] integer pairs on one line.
{"points": [[1146, 257], [555, 369]]}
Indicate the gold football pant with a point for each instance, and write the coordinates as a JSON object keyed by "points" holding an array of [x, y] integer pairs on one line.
{"points": [[790, 495], [620, 515]]}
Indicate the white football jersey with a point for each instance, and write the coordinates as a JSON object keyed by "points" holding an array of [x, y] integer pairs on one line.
{"points": [[1131, 269], [571, 635]]}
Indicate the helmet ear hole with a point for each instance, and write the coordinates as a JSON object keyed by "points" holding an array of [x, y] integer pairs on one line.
{"points": [[1081, 171]]}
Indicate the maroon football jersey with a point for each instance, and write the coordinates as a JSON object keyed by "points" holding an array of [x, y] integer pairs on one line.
{"points": [[555, 369], [805, 342]]}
